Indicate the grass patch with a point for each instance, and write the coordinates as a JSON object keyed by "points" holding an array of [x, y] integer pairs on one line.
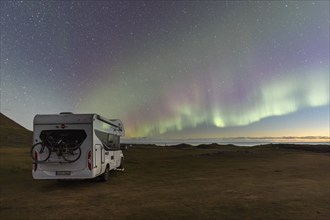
{"points": [[171, 183]]}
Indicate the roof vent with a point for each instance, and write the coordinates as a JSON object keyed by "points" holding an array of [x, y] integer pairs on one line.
{"points": [[65, 113]]}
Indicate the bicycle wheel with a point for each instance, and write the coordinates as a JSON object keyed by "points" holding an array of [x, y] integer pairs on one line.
{"points": [[71, 155], [40, 152]]}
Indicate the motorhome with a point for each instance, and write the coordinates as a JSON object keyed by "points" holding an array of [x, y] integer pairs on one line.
{"points": [[76, 146]]}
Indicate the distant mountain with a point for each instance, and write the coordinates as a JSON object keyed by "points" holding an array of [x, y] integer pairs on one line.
{"points": [[13, 134]]}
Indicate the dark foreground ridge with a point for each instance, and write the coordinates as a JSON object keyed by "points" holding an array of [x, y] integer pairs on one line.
{"points": [[320, 148], [13, 134]]}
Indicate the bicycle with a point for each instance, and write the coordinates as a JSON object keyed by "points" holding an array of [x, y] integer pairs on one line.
{"points": [[70, 151], [40, 152]]}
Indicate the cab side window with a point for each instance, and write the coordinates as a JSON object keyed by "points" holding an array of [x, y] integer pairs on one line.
{"points": [[113, 141], [110, 140]]}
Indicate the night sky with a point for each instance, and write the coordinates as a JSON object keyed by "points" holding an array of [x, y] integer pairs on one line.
{"points": [[181, 69]]}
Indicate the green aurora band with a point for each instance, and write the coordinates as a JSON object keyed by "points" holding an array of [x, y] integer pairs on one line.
{"points": [[275, 98]]}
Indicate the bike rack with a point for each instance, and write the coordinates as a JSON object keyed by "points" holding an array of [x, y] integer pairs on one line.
{"points": [[60, 162]]}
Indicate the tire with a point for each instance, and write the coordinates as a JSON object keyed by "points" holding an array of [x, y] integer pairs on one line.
{"points": [[41, 151], [121, 166], [73, 156], [105, 175]]}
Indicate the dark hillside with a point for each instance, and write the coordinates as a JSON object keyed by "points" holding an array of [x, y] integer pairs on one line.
{"points": [[13, 134]]}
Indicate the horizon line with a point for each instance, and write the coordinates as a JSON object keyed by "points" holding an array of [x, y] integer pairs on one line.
{"points": [[233, 138]]}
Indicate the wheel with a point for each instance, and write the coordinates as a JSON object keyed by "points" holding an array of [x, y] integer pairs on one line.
{"points": [[71, 155], [40, 152], [105, 175], [121, 166]]}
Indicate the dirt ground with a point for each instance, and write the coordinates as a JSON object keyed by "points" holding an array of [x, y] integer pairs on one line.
{"points": [[172, 183]]}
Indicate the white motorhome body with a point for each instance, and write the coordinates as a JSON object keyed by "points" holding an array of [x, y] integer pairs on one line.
{"points": [[99, 142]]}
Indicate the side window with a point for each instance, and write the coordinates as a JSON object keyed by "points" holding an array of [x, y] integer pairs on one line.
{"points": [[109, 141]]}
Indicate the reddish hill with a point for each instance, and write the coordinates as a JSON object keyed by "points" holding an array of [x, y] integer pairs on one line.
{"points": [[13, 134]]}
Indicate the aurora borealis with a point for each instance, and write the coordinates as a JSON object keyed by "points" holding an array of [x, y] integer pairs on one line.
{"points": [[171, 68]]}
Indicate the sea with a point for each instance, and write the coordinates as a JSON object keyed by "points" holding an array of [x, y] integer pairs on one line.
{"points": [[234, 141]]}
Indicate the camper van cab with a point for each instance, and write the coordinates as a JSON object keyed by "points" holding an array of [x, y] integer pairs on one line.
{"points": [[76, 146]]}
